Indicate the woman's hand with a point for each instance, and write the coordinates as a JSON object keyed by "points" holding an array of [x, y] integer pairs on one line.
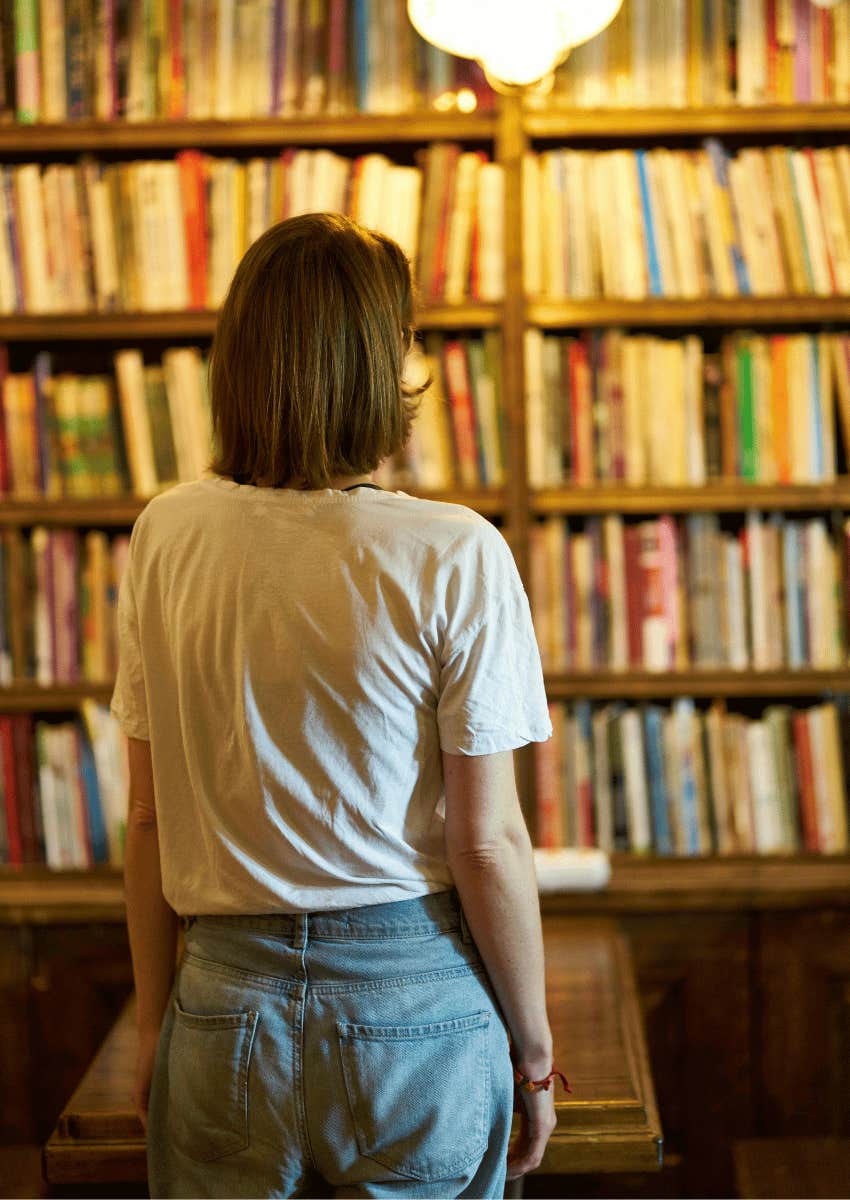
{"points": [[145, 1055], [536, 1122]]}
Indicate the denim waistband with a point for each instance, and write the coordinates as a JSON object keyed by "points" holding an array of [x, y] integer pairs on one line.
{"points": [[438, 912]]}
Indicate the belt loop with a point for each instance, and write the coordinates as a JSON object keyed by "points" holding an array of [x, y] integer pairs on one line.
{"points": [[466, 936], [187, 922]]}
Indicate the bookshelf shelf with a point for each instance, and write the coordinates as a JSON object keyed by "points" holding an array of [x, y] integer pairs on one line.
{"points": [[47, 327], [38, 895], [618, 124], [651, 685], [59, 697], [123, 510], [349, 129], [736, 310], [720, 496]]}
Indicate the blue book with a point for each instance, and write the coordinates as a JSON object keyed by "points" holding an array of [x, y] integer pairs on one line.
{"points": [[97, 828], [655, 288], [685, 716], [361, 53], [719, 158], [658, 798]]}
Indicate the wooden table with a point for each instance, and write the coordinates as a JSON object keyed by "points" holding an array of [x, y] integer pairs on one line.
{"points": [[609, 1123]]}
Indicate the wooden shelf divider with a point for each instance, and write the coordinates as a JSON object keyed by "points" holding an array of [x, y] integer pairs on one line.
{"points": [[619, 124], [727, 495], [651, 685], [707, 310]]}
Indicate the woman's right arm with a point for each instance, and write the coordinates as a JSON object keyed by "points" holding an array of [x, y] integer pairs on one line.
{"points": [[489, 854]]}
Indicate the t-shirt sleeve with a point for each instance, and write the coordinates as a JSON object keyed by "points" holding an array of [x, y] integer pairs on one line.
{"points": [[129, 700], [492, 695]]}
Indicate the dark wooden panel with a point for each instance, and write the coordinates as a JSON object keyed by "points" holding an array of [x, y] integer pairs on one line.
{"points": [[693, 973], [779, 1168], [803, 981], [16, 1111], [82, 976]]}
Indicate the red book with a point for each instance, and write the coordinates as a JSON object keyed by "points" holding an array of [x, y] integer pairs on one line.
{"points": [[804, 768], [22, 736], [177, 78], [547, 795], [190, 164], [447, 200], [581, 413], [459, 388], [10, 793], [772, 48], [634, 600]]}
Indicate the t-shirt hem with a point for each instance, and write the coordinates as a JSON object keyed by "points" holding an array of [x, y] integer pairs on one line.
{"points": [[312, 903], [494, 743], [130, 726]]}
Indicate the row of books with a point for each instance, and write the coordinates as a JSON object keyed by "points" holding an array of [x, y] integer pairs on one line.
{"points": [[64, 790], [162, 235], [58, 594], [690, 53], [640, 409], [82, 436], [120, 59], [687, 223], [682, 781], [667, 594], [78, 436]]}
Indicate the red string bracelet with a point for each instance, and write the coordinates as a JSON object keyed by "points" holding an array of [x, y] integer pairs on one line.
{"points": [[536, 1085]]}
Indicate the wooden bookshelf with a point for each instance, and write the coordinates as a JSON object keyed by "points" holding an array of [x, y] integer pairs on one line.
{"points": [[55, 697], [648, 884], [732, 120], [731, 311], [656, 685], [356, 129], [52, 327], [732, 495]]}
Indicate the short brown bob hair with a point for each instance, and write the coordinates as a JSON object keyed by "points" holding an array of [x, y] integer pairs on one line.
{"points": [[306, 363]]}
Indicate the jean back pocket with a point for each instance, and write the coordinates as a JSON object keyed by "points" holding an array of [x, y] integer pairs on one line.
{"points": [[208, 1060], [419, 1095]]}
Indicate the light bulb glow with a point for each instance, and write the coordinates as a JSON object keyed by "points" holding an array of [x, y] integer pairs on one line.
{"points": [[516, 41]]}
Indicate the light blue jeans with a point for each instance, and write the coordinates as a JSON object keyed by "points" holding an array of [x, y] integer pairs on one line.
{"points": [[350, 1053]]}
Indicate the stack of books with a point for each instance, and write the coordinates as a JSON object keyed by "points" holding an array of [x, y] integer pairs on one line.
{"points": [[123, 59], [681, 781], [667, 594], [164, 235], [642, 409], [64, 787], [690, 53], [687, 223]]}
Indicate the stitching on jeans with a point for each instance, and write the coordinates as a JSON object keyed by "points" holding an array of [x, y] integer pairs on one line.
{"points": [[270, 984]]}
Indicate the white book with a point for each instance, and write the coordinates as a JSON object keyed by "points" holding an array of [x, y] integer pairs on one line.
{"points": [[552, 231], [720, 783], [406, 188], [764, 789], [430, 446], [224, 59], [54, 850], [182, 369], [643, 52], [759, 616], [812, 223], [105, 738], [39, 294], [752, 51], [257, 189], [535, 410], [637, 795], [613, 536], [737, 618], [129, 375], [43, 634], [532, 228], [583, 278], [694, 417], [175, 264], [555, 550], [835, 222], [491, 232], [461, 220], [374, 172]]}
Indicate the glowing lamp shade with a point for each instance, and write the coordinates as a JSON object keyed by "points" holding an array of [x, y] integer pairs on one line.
{"points": [[516, 41]]}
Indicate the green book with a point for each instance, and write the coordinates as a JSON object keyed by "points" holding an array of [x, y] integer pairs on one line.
{"points": [[747, 432]]}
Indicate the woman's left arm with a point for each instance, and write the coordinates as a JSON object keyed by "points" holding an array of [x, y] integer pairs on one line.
{"points": [[151, 922]]}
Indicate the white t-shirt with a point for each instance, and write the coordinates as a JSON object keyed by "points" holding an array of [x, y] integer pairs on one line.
{"points": [[297, 660]]}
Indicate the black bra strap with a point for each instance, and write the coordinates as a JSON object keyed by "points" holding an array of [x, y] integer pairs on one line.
{"points": [[352, 486]]}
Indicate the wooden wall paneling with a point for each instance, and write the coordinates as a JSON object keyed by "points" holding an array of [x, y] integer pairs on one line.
{"points": [[803, 997], [82, 977], [693, 971], [16, 1109]]}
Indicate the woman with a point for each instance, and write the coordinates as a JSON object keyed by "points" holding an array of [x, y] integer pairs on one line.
{"points": [[322, 683]]}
